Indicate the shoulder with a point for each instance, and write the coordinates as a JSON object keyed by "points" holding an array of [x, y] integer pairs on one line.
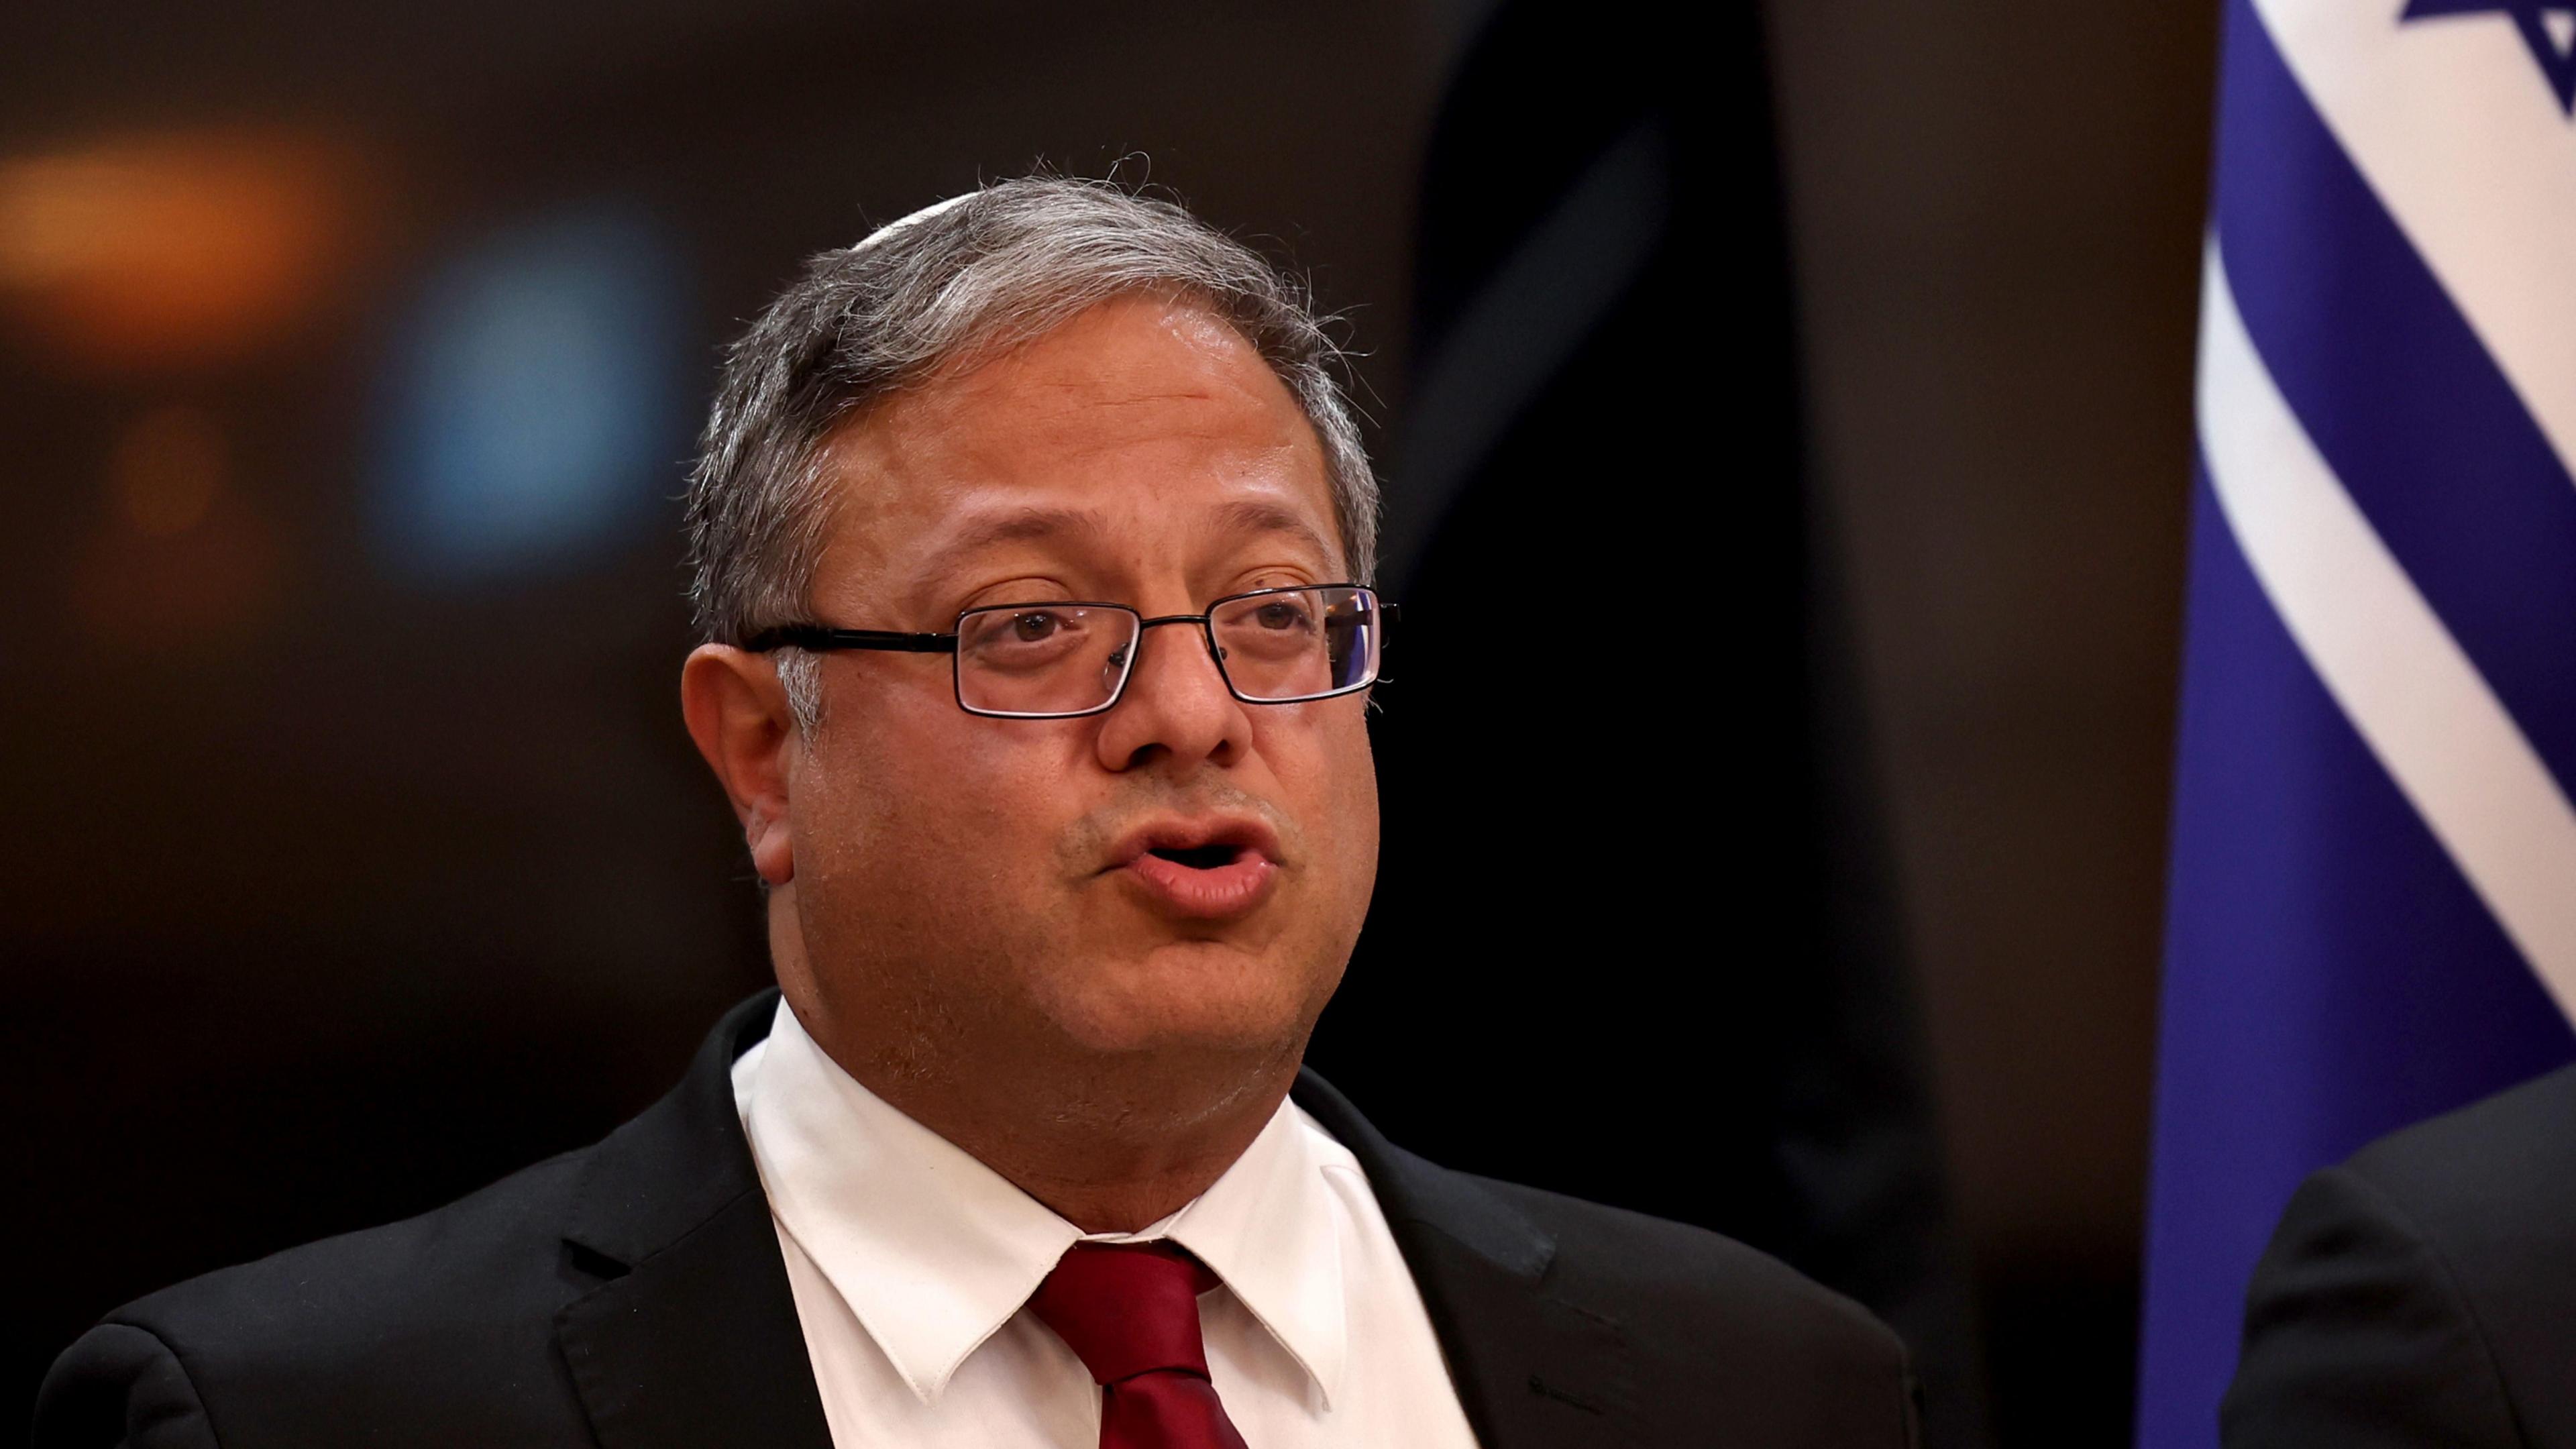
{"points": [[2485, 1190], [2420, 1290], [447, 1328], [443, 1321], [1714, 1341], [1663, 1276], [481, 1257], [2507, 1164], [1594, 1321], [1687, 1287]]}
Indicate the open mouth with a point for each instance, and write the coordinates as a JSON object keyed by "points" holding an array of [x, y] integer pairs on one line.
{"points": [[1203, 869], [1199, 857]]}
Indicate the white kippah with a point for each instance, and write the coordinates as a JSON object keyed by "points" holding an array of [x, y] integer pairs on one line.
{"points": [[910, 219]]}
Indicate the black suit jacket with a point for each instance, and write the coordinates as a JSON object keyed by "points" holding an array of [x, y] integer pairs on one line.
{"points": [[2425, 1291], [630, 1295]]}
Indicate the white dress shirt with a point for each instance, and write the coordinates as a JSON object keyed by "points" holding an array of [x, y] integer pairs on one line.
{"points": [[912, 1265]]}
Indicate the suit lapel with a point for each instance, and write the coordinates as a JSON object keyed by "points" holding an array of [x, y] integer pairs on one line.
{"points": [[1535, 1368], [691, 1339]]}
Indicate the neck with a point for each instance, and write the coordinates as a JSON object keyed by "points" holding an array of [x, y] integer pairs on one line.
{"points": [[1111, 1151], [1112, 1143], [1117, 1180]]}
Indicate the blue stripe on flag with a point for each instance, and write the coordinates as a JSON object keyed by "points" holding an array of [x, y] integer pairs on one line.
{"points": [[2329, 975], [2393, 385]]}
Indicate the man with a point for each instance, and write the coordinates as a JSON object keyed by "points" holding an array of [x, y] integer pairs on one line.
{"points": [[2425, 1291], [1031, 540]]}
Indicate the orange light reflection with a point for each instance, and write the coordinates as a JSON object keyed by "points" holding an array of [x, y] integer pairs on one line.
{"points": [[173, 251]]}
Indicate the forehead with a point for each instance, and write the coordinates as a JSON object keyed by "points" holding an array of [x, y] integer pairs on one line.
{"points": [[1144, 427]]}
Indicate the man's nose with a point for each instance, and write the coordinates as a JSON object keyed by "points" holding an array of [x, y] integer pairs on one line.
{"points": [[1176, 704]]}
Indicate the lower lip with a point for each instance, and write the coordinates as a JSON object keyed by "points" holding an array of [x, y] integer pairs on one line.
{"points": [[1228, 890]]}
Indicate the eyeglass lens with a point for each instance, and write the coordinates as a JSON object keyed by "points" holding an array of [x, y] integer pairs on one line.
{"points": [[1069, 659]]}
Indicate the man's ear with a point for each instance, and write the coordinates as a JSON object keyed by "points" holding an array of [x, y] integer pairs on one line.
{"points": [[737, 712]]}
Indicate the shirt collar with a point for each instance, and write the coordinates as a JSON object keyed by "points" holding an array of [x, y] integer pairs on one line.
{"points": [[1269, 1228], [933, 1251]]}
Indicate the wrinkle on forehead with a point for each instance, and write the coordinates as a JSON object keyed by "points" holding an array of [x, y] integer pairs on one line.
{"points": [[1168, 387]]}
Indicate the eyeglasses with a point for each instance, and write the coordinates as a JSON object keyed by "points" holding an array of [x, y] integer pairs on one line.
{"points": [[1065, 658]]}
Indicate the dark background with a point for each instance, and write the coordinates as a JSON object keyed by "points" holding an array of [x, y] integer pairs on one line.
{"points": [[355, 854]]}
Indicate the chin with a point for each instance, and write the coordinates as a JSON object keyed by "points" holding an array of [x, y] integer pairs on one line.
{"points": [[1187, 997]]}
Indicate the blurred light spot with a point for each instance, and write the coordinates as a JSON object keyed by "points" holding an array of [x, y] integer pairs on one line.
{"points": [[148, 252], [167, 468], [183, 593], [538, 406]]}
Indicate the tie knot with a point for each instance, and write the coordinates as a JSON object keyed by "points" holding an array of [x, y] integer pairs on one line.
{"points": [[1127, 1308]]}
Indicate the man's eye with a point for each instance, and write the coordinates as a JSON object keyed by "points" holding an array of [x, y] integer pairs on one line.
{"points": [[1279, 616], [1023, 635]]}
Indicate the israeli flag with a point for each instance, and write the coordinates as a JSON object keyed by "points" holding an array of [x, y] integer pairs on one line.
{"points": [[2372, 913]]}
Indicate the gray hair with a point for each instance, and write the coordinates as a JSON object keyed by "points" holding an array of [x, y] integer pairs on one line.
{"points": [[985, 271]]}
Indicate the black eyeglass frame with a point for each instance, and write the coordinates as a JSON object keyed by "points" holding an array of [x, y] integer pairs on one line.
{"points": [[824, 638]]}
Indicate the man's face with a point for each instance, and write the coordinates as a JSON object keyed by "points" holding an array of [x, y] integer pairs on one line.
{"points": [[969, 885]]}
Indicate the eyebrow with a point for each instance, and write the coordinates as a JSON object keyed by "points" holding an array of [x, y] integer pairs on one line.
{"points": [[1255, 517], [1017, 525], [1034, 524]]}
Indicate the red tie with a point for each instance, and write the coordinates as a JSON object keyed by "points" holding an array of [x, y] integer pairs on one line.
{"points": [[1130, 1312]]}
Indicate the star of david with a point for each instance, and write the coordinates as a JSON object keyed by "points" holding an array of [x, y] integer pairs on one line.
{"points": [[2548, 29]]}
